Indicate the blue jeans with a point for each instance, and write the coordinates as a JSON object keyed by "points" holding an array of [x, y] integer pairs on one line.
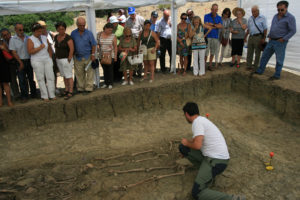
{"points": [[272, 47], [26, 75]]}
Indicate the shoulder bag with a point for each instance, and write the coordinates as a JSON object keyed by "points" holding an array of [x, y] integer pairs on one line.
{"points": [[262, 45], [143, 47]]}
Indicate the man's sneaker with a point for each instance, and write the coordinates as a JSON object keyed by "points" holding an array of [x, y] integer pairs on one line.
{"points": [[131, 83], [238, 197], [104, 86], [110, 87], [124, 83]]}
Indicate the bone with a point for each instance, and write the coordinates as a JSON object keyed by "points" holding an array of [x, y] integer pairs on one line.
{"points": [[142, 152], [109, 158], [7, 191], [159, 168], [146, 159], [110, 165], [127, 171]]}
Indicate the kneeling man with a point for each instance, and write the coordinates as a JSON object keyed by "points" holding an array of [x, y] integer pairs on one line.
{"points": [[208, 151]]}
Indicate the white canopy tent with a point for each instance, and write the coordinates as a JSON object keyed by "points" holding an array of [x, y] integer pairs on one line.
{"points": [[268, 9], [9, 7]]}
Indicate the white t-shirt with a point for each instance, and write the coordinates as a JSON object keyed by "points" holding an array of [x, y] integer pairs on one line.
{"points": [[214, 144], [43, 53], [122, 18]]}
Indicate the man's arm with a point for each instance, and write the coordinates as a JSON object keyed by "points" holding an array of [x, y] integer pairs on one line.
{"points": [[195, 143], [292, 29]]}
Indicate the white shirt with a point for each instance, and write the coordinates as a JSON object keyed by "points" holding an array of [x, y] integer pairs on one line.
{"points": [[164, 28], [122, 18], [214, 144], [43, 53], [20, 46]]}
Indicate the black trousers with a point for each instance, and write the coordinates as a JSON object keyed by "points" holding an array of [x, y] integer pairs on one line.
{"points": [[117, 74], [189, 62], [165, 45], [108, 73]]}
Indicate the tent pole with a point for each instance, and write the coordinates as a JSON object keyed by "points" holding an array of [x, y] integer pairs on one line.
{"points": [[174, 36]]}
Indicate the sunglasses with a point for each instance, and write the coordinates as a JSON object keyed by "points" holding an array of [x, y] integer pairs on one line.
{"points": [[280, 10], [184, 18], [127, 35]]}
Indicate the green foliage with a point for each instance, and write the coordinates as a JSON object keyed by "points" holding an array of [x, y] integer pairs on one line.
{"points": [[103, 13], [28, 19], [164, 6]]}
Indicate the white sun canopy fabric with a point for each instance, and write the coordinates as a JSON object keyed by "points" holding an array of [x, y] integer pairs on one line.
{"points": [[268, 9]]}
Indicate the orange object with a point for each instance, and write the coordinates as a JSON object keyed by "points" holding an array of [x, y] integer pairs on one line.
{"points": [[271, 154], [207, 115]]}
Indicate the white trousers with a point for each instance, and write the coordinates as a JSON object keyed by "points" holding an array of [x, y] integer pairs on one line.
{"points": [[44, 69], [199, 62]]}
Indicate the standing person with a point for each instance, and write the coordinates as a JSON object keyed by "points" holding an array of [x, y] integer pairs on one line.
{"points": [[154, 27], [64, 51], [85, 47], [283, 27], [257, 28], [127, 47], [183, 30], [164, 32], [122, 17], [41, 60], [135, 23], [238, 29], [18, 47], [213, 43], [150, 40], [224, 33], [118, 32], [190, 14], [13, 68], [107, 43], [4, 77], [198, 45], [208, 151]]}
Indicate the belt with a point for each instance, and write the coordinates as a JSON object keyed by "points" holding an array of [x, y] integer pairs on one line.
{"points": [[256, 34], [166, 38], [25, 59], [274, 38]]}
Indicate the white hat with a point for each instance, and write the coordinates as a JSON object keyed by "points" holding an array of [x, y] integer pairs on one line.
{"points": [[113, 19]]}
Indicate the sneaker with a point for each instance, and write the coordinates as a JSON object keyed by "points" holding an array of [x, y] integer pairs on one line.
{"points": [[131, 83], [124, 83], [57, 92], [238, 197], [110, 87], [104, 86]]}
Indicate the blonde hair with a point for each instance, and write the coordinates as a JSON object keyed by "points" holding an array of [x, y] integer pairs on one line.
{"points": [[127, 30], [197, 18]]}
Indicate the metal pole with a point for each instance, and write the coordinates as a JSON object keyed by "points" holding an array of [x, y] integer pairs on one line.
{"points": [[174, 36]]}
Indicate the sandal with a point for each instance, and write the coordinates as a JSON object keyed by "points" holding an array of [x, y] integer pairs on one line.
{"points": [[68, 96]]}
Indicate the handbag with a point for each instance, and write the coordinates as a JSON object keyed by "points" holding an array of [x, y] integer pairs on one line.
{"points": [[136, 59], [143, 47], [261, 45], [224, 41], [188, 42], [227, 50], [106, 59]]}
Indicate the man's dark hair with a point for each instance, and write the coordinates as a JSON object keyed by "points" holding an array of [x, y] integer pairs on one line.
{"points": [[4, 29], [18, 23], [283, 3], [191, 108], [58, 24]]}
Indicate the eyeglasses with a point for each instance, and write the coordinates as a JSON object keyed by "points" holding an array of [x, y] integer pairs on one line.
{"points": [[127, 35], [280, 10], [184, 18]]}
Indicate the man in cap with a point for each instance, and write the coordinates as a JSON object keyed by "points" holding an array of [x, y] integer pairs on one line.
{"points": [[85, 47], [283, 27], [135, 23], [18, 47], [257, 28], [215, 22], [164, 32], [118, 31], [153, 20]]}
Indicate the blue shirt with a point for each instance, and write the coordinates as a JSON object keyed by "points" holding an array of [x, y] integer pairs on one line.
{"points": [[83, 43], [261, 23], [153, 27], [217, 20], [283, 28]]}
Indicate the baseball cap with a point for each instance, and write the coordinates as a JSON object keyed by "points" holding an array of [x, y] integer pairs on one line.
{"points": [[154, 14], [113, 19], [131, 10], [42, 23]]}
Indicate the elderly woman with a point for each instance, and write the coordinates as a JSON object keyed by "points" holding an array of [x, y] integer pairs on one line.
{"points": [[127, 47], [64, 49], [198, 45], [150, 40], [225, 32], [183, 30], [237, 28], [41, 60], [108, 50], [4, 77]]}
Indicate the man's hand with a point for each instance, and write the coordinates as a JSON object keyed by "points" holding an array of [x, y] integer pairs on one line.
{"points": [[115, 59], [42, 46], [21, 67], [93, 57], [184, 141], [281, 40], [153, 50]]}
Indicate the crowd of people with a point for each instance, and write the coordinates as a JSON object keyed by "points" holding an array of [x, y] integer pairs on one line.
{"points": [[129, 44]]}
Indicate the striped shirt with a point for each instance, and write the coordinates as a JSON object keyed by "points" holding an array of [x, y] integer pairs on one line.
{"points": [[106, 44]]}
